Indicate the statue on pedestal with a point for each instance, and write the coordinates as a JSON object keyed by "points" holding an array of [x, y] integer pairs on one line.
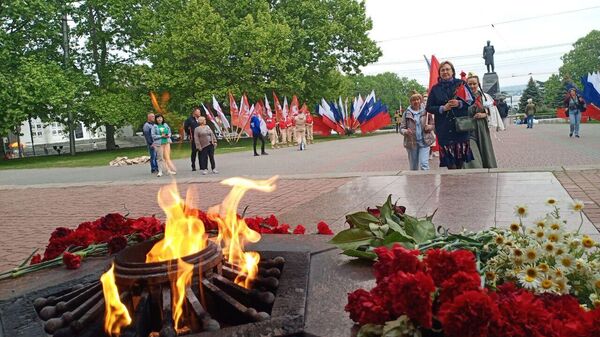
{"points": [[488, 56]]}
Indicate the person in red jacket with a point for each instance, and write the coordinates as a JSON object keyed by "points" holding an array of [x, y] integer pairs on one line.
{"points": [[283, 131], [309, 128], [289, 122], [271, 127]]}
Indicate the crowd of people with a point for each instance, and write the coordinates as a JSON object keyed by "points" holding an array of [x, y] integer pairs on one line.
{"points": [[295, 129], [459, 127]]}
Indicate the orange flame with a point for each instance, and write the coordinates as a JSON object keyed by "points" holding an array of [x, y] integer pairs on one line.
{"points": [[184, 278], [116, 315], [249, 269], [160, 107], [184, 233], [233, 232]]}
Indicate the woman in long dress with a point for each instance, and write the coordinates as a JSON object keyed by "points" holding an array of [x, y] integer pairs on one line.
{"points": [[480, 141], [445, 105]]}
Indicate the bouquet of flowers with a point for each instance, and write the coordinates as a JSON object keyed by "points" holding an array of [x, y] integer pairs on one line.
{"points": [[441, 293]]}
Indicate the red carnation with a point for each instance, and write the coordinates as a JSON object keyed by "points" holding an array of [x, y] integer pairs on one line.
{"points": [[523, 315], [35, 259], [472, 314], [283, 229], [374, 212], [272, 221], [409, 294], [60, 232], [71, 261], [443, 264], [396, 259], [365, 308], [323, 228], [299, 229], [458, 284], [116, 243]]}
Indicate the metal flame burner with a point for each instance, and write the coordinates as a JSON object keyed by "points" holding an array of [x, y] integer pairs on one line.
{"points": [[214, 305]]}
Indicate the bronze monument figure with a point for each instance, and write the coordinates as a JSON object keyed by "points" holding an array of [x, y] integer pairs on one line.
{"points": [[488, 56]]}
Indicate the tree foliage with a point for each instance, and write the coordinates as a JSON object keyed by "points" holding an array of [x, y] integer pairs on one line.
{"points": [[531, 91], [554, 92], [388, 86], [583, 59], [120, 50]]}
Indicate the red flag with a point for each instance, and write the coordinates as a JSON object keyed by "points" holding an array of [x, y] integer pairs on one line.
{"points": [[319, 127], [433, 72], [382, 119], [244, 119], [278, 109], [233, 111], [294, 107], [464, 94]]}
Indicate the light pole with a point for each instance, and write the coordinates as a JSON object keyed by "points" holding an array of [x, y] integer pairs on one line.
{"points": [[65, 33]]}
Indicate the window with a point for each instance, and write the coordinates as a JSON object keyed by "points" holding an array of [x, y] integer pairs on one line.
{"points": [[79, 131], [39, 133], [54, 132]]}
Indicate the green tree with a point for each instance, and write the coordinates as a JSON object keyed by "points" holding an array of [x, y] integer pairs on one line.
{"points": [[327, 36], [108, 55], [34, 83], [554, 92], [583, 59], [388, 86], [531, 91]]}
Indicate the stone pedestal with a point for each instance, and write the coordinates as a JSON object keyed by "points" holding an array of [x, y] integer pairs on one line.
{"points": [[491, 85]]}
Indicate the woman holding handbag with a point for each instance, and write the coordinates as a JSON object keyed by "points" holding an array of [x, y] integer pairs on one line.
{"points": [[444, 103], [206, 141], [574, 105], [417, 128], [480, 140]]}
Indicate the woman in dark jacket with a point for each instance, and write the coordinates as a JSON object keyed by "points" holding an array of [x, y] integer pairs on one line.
{"points": [[445, 105]]}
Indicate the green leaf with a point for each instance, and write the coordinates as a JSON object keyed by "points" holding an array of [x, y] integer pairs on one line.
{"points": [[386, 209], [395, 227], [352, 238], [376, 242], [360, 254], [384, 229], [370, 330], [462, 238], [361, 219], [400, 327], [420, 230]]}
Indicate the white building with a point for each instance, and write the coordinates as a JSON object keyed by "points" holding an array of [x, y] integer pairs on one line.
{"points": [[54, 133]]}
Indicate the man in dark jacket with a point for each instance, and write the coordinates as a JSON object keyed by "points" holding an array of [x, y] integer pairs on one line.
{"points": [[256, 134], [190, 125], [503, 110], [147, 129]]}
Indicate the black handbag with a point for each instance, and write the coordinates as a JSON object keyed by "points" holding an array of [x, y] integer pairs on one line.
{"points": [[464, 124]]}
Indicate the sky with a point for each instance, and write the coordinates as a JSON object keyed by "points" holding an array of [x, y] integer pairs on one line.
{"points": [[529, 37]]}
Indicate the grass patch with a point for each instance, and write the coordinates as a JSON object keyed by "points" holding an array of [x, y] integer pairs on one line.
{"points": [[102, 158]]}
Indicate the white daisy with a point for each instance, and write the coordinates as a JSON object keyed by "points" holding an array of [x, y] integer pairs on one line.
{"points": [[577, 206], [549, 248], [529, 278], [521, 211], [562, 286], [532, 254], [554, 236], [551, 202], [587, 242], [566, 263], [547, 285]]}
